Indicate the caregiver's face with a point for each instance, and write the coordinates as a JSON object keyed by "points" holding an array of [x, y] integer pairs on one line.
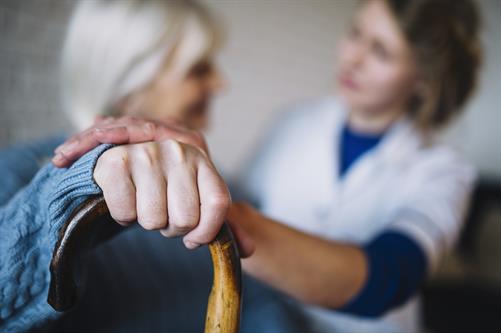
{"points": [[185, 98], [376, 71]]}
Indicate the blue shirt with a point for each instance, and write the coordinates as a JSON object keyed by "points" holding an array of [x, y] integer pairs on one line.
{"points": [[354, 145], [396, 264]]}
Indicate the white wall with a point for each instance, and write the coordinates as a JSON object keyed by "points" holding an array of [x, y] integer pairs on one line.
{"points": [[478, 133], [278, 52]]}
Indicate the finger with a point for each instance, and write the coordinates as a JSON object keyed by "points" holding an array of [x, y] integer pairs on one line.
{"points": [[121, 131], [100, 119], [142, 131], [191, 137], [214, 203], [71, 141], [81, 144], [151, 188], [118, 189], [245, 243], [74, 148], [130, 133], [108, 120], [112, 130], [112, 134], [183, 200]]}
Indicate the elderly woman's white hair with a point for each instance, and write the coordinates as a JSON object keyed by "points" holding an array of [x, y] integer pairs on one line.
{"points": [[116, 47]]}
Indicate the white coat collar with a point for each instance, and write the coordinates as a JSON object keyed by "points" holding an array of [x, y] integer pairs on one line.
{"points": [[401, 141]]}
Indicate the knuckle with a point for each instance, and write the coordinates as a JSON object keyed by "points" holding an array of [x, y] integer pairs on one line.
{"points": [[111, 161], [180, 230], [149, 126], [184, 221], [203, 238], [174, 150], [99, 176], [152, 223], [123, 217], [173, 231], [124, 222], [116, 157], [201, 154], [147, 153], [219, 201], [129, 119], [168, 232], [116, 162]]}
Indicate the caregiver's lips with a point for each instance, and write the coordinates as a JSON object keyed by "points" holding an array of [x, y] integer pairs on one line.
{"points": [[347, 82]]}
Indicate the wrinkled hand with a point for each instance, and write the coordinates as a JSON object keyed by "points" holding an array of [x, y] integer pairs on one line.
{"points": [[165, 185], [123, 130]]}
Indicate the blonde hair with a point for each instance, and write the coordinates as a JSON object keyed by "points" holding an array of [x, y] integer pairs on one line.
{"points": [[116, 47], [444, 36]]}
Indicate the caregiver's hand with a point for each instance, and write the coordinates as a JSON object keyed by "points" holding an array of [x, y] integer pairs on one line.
{"points": [[168, 186], [122, 130]]}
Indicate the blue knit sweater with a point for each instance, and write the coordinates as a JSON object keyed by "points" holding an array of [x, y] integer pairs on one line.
{"points": [[34, 204]]}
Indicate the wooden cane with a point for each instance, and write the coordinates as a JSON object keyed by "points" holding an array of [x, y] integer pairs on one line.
{"points": [[92, 223]]}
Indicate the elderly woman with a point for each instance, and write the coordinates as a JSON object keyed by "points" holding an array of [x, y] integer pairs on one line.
{"points": [[130, 58]]}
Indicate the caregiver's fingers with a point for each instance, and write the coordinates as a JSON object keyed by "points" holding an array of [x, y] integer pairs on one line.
{"points": [[123, 130], [106, 129], [181, 134], [104, 132], [112, 176], [245, 243], [214, 203], [151, 187]]}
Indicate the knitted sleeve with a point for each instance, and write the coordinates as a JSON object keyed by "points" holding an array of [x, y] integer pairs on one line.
{"points": [[29, 225]]}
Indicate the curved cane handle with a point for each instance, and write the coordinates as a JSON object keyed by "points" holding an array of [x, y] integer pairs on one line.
{"points": [[84, 227]]}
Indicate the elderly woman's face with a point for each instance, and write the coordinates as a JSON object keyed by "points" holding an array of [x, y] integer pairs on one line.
{"points": [[185, 99], [375, 65]]}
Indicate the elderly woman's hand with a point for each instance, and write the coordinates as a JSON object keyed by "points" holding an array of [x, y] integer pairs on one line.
{"points": [[165, 185], [123, 130]]}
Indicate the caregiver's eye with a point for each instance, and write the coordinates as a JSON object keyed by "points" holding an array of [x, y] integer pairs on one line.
{"points": [[381, 52], [354, 32]]}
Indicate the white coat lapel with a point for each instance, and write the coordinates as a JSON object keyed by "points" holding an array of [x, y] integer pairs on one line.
{"points": [[323, 169], [400, 140]]}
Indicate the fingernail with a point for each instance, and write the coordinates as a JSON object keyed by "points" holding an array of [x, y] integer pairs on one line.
{"points": [[67, 147], [191, 245], [58, 158]]}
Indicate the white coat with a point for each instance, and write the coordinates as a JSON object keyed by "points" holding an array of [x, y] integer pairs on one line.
{"points": [[406, 183]]}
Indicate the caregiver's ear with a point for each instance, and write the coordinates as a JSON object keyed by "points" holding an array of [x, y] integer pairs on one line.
{"points": [[421, 89]]}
